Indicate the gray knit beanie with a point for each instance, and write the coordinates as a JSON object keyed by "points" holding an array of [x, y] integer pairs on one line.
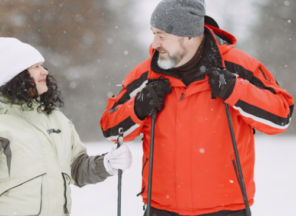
{"points": [[184, 18]]}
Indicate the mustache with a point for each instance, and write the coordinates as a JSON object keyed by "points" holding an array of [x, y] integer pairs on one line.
{"points": [[161, 50]]}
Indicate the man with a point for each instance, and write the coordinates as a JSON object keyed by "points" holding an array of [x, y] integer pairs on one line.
{"points": [[193, 173]]}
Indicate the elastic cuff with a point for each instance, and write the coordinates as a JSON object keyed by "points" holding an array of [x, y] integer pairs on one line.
{"points": [[101, 168]]}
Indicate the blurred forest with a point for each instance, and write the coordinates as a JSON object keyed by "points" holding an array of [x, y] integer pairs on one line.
{"points": [[91, 45], [274, 44]]}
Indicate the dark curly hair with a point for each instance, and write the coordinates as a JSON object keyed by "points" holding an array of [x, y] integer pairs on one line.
{"points": [[20, 90]]}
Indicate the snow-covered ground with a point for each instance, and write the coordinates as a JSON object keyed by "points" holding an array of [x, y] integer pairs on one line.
{"points": [[275, 176]]}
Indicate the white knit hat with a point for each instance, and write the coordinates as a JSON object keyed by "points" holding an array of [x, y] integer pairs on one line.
{"points": [[16, 57]]}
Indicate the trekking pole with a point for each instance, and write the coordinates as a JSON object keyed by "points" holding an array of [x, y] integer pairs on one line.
{"points": [[153, 118], [119, 143], [236, 162]]}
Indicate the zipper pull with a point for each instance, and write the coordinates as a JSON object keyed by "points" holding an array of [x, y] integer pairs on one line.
{"points": [[54, 131], [182, 95]]}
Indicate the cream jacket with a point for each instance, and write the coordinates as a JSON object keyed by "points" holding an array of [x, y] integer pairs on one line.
{"points": [[37, 152]]}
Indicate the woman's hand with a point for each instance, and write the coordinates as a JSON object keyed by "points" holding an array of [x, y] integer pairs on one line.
{"points": [[118, 158]]}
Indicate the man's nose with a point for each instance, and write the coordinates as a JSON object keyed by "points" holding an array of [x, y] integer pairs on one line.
{"points": [[155, 44]]}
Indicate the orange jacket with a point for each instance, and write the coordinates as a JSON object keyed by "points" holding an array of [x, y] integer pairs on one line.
{"points": [[193, 172]]}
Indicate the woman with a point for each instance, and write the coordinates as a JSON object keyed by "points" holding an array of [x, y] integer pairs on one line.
{"points": [[40, 151]]}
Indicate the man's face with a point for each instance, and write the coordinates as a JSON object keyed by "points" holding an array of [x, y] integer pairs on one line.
{"points": [[171, 48], [39, 74]]}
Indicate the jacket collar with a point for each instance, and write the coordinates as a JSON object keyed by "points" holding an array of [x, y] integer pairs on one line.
{"points": [[16, 106], [224, 40]]}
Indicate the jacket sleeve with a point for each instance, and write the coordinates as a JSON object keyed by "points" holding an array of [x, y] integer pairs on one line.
{"points": [[85, 169], [261, 102], [120, 109]]}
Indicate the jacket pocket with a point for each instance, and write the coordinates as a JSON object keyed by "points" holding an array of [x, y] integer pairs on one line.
{"points": [[24, 199], [67, 194]]}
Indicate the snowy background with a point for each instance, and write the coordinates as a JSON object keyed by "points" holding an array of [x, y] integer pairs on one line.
{"points": [[275, 177]]}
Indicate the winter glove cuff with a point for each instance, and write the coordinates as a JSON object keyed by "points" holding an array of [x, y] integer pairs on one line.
{"points": [[138, 110], [229, 89], [226, 90], [108, 166]]}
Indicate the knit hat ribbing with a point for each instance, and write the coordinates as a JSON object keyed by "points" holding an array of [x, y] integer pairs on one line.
{"points": [[184, 18], [16, 57]]}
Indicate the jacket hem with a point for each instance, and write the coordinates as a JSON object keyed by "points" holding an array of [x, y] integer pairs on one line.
{"points": [[230, 207]]}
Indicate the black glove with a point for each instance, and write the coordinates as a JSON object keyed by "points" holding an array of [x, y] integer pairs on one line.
{"points": [[152, 97], [221, 81]]}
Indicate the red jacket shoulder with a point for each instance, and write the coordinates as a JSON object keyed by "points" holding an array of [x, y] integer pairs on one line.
{"points": [[242, 59], [137, 72]]}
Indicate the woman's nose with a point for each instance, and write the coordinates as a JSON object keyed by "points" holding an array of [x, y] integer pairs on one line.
{"points": [[44, 71]]}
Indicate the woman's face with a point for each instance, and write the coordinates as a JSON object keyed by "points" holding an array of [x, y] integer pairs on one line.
{"points": [[38, 73]]}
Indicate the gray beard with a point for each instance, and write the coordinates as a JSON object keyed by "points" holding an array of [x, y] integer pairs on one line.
{"points": [[166, 63], [171, 61]]}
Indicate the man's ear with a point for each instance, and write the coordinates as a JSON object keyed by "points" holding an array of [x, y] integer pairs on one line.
{"points": [[191, 40]]}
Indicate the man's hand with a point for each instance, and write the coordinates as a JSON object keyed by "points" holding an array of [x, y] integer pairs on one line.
{"points": [[118, 158], [151, 97], [221, 81]]}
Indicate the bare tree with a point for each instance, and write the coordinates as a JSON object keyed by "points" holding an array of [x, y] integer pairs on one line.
{"points": [[88, 45]]}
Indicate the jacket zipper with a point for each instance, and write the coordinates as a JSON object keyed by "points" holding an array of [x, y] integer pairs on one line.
{"points": [[54, 131], [182, 95], [143, 189], [65, 195]]}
